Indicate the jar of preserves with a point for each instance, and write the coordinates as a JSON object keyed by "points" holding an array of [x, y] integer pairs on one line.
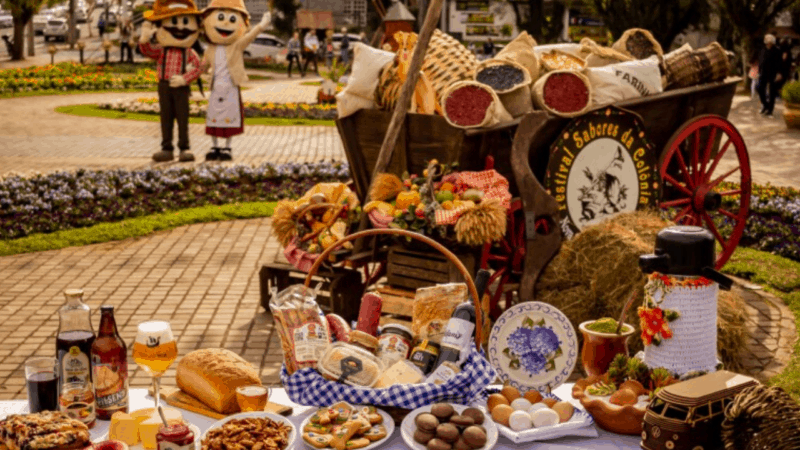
{"points": [[394, 343], [175, 437], [77, 402]]}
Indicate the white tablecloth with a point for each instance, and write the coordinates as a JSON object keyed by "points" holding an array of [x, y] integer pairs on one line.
{"points": [[605, 441]]}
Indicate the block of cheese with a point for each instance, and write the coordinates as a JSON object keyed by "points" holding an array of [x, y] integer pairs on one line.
{"points": [[123, 428], [212, 375], [148, 421]]}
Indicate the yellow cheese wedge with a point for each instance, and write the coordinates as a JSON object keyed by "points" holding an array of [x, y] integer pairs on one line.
{"points": [[148, 421], [123, 428]]}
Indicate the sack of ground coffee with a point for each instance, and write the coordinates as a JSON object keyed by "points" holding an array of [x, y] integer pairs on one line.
{"points": [[520, 51], [511, 82], [638, 43], [469, 104], [623, 81], [564, 93], [599, 56]]}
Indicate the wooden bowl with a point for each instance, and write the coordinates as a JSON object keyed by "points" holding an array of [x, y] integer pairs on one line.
{"points": [[616, 419]]}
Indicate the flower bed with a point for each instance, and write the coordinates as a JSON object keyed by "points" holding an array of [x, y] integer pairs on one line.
{"points": [[197, 108], [70, 76], [63, 200]]}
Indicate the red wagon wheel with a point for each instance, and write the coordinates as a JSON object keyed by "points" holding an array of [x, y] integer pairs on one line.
{"points": [[506, 257], [700, 156]]}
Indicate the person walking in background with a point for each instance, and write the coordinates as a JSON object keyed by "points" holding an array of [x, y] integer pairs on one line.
{"points": [[125, 32], [362, 37], [293, 54], [9, 44], [753, 74], [101, 27], [345, 48], [786, 62], [328, 52], [769, 76], [488, 48], [310, 49]]}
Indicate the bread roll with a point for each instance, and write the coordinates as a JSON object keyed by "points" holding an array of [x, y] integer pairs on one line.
{"points": [[212, 375]]}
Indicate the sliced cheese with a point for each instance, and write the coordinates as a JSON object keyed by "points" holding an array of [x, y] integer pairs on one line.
{"points": [[148, 421], [123, 428]]}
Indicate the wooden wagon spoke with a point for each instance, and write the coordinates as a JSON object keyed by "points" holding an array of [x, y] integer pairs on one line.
{"points": [[682, 165], [696, 158], [722, 177], [729, 193], [713, 228], [682, 213], [717, 159], [674, 182], [712, 137], [673, 203], [725, 212]]}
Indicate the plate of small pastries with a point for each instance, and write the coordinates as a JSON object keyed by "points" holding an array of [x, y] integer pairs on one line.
{"points": [[47, 430], [259, 430], [445, 426], [346, 427]]}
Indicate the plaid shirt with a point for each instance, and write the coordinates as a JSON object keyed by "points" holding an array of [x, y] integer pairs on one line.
{"points": [[171, 59]]}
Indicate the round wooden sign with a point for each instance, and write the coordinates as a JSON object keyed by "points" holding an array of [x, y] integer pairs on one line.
{"points": [[601, 165]]}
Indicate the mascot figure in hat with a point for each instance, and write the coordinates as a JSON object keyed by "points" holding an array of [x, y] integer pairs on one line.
{"points": [[225, 23], [176, 26]]}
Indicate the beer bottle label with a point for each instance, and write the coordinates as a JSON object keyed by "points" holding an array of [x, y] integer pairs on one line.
{"points": [[75, 366], [458, 333], [111, 384]]}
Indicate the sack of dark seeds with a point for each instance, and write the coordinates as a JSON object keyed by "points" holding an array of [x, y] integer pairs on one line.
{"points": [[511, 81], [638, 43]]}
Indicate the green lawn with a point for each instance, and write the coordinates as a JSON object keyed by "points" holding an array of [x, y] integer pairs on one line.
{"points": [[94, 111], [60, 92], [781, 277], [135, 227], [257, 77]]}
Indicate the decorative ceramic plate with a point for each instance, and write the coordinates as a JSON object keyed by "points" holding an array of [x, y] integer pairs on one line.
{"points": [[139, 446], [533, 345], [408, 427], [580, 424], [388, 423], [262, 415]]}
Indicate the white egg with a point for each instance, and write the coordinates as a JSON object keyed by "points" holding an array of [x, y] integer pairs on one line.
{"points": [[519, 421], [544, 418], [521, 404], [535, 407]]}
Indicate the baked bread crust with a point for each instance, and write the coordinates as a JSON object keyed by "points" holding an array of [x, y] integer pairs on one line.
{"points": [[47, 430], [212, 375]]}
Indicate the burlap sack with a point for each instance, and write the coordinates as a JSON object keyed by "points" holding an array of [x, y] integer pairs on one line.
{"points": [[556, 59], [520, 51], [495, 113], [517, 99], [360, 89], [638, 43], [684, 67], [599, 56], [674, 62], [622, 81], [539, 98]]}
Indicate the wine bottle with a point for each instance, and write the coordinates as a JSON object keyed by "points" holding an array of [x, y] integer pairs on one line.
{"points": [[461, 326]]}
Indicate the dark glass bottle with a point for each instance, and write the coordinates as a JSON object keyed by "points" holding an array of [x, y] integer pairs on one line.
{"points": [[461, 326], [74, 339], [110, 367]]}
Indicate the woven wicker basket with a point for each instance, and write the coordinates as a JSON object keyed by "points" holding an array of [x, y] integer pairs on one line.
{"points": [[446, 62], [762, 418]]}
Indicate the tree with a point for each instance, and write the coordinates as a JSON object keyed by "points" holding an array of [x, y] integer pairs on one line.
{"points": [[22, 11], [285, 16], [91, 5], [751, 19], [665, 19], [533, 18]]}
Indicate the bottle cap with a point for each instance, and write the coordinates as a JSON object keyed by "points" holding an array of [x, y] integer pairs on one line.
{"points": [[107, 308], [73, 293]]}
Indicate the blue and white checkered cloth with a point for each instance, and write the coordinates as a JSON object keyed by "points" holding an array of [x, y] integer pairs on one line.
{"points": [[308, 387]]}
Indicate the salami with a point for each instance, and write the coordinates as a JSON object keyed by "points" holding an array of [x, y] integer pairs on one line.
{"points": [[340, 330]]}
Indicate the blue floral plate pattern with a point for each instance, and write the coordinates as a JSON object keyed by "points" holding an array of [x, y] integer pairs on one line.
{"points": [[533, 345]]}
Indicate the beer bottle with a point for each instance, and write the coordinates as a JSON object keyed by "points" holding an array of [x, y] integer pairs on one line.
{"points": [[110, 366], [460, 328], [74, 340]]}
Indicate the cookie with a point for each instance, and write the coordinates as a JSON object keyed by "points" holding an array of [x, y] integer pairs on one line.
{"points": [[348, 430], [317, 440], [438, 444], [341, 412], [476, 415], [461, 444], [462, 421], [376, 433], [423, 437], [371, 413], [357, 443], [316, 428], [474, 436], [447, 432], [442, 411], [427, 422]]}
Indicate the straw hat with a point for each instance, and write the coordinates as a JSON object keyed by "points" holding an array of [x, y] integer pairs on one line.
{"points": [[164, 9], [236, 5]]}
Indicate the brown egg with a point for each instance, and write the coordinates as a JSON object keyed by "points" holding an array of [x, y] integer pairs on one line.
{"points": [[549, 402], [635, 386], [495, 400], [564, 410], [502, 413], [624, 397], [510, 393], [533, 396]]}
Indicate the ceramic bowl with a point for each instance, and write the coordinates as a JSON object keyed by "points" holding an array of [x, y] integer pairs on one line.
{"points": [[616, 419]]}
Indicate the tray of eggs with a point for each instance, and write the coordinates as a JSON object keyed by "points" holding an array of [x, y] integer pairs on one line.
{"points": [[533, 416]]}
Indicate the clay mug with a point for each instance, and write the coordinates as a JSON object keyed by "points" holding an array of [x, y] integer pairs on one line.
{"points": [[599, 349]]}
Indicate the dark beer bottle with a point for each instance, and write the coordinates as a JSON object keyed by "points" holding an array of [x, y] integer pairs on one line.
{"points": [[74, 339], [110, 367], [461, 326]]}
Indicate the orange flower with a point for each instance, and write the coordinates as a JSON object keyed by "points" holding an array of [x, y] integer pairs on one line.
{"points": [[652, 322]]}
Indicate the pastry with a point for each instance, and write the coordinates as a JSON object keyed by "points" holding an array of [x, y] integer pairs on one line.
{"points": [[442, 411], [348, 430], [357, 443], [427, 422], [212, 375], [343, 410], [438, 444], [317, 440], [46, 430], [376, 433], [461, 444], [315, 428], [462, 421], [423, 437], [476, 415], [474, 436], [447, 432]]}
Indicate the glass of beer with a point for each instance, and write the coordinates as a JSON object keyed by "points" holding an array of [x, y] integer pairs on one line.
{"points": [[252, 398], [155, 350]]}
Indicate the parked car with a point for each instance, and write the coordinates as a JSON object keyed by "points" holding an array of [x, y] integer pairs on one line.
{"points": [[80, 15], [265, 45], [6, 21], [110, 19], [337, 41], [58, 29], [40, 23]]}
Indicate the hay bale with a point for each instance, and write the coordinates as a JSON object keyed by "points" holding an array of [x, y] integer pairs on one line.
{"points": [[595, 273]]}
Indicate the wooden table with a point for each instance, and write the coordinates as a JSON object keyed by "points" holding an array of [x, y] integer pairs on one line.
{"points": [[602, 441]]}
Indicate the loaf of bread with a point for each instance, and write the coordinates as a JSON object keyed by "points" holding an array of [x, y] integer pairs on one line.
{"points": [[212, 375]]}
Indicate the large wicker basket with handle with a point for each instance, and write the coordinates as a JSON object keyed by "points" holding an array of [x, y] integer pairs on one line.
{"points": [[762, 418], [309, 387]]}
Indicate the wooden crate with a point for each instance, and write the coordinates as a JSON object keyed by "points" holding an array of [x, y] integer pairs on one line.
{"points": [[398, 305], [411, 269]]}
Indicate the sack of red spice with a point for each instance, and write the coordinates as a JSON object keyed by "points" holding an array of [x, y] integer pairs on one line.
{"points": [[510, 81], [564, 93], [469, 104]]}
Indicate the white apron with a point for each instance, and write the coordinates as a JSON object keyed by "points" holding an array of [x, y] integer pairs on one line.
{"points": [[224, 107]]}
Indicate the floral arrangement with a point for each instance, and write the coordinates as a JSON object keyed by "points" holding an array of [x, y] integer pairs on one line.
{"points": [[653, 320], [469, 208], [73, 76], [197, 108], [628, 374], [63, 200]]}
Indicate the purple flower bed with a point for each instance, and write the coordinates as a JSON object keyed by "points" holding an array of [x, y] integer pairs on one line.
{"points": [[64, 200]]}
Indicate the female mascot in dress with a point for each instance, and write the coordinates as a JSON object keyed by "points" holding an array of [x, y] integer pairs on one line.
{"points": [[225, 23]]}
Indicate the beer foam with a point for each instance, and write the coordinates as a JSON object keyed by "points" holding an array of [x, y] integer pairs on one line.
{"points": [[252, 391], [154, 327]]}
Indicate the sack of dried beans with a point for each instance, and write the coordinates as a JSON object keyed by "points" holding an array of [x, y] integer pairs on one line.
{"points": [[638, 43], [560, 60], [599, 56], [469, 104], [511, 82], [520, 51], [564, 93]]}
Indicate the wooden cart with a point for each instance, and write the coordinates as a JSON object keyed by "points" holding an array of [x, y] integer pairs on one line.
{"points": [[686, 126]]}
